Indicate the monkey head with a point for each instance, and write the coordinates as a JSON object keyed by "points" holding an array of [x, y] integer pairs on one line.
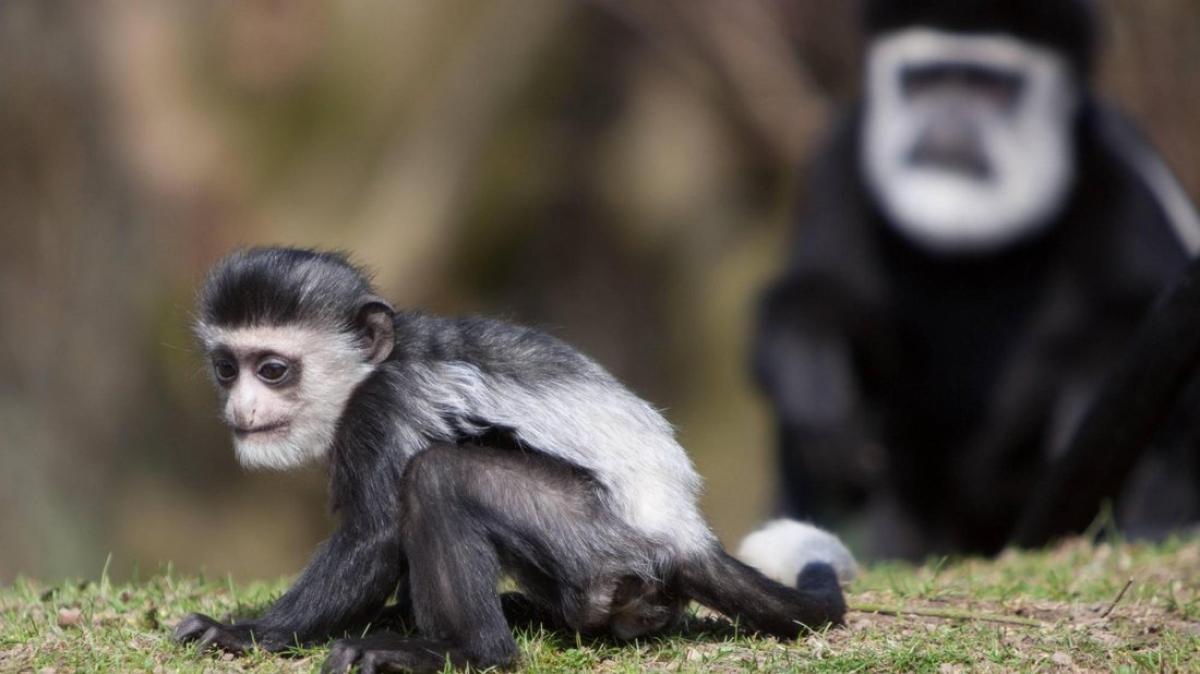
{"points": [[289, 335], [968, 134]]}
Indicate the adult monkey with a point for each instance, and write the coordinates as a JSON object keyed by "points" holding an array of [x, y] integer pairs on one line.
{"points": [[461, 449], [982, 237]]}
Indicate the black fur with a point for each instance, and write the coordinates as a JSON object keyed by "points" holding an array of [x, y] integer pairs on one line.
{"points": [[933, 391], [443, 519], [1066, 26], [1134, 403], [272, 286]]}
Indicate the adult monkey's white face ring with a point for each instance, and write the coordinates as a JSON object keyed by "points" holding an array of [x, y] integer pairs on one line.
{"points": [[967, 140]]}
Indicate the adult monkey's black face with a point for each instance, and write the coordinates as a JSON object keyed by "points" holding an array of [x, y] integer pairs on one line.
{"points": [[967, 137]]}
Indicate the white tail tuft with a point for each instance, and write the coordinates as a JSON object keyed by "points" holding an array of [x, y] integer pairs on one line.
{"points": [[781, 548]]}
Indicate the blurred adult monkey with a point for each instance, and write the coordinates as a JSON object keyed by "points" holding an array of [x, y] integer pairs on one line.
{"points": [[982, 237]]}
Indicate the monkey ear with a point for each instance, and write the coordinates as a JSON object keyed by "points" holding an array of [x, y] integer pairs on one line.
{"points": [[375, 316]]}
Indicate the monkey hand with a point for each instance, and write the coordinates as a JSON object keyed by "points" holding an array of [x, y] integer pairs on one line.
{"points": [[208, 634]]}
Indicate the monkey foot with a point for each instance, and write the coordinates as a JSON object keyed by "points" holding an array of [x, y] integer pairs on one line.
{"points": [[387, 652]]}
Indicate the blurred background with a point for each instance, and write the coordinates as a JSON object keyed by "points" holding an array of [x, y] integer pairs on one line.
{"points": [[621, 173]]}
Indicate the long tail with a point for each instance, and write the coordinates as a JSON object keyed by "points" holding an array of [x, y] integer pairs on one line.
{"points": [[782, 548], [721, 582]]}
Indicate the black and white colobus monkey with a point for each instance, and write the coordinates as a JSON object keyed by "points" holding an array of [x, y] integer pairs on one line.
{"points": [[980, 241], [460, 450]]}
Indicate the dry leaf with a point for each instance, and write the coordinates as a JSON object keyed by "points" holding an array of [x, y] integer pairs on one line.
{"points": [[69, 617]]}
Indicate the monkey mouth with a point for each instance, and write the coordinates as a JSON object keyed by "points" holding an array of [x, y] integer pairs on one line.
{"points": [[265, 429], [965, 162]]}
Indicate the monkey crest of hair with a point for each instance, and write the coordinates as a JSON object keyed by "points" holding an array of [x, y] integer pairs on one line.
{"points": [[282, 286], [1065, 26]]}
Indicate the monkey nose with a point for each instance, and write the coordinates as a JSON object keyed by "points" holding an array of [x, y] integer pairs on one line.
{"points": [[954, 147], [240, 417]]}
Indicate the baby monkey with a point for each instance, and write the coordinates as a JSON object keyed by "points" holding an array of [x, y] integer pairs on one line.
{"points": [[462, 450]]}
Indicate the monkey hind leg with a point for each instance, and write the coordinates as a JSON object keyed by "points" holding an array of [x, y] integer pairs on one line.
{"points": [[456, 609], [468, 513], [721, 582]]}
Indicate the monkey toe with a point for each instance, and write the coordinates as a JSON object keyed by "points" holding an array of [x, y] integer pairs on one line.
{"points": [[386, 652], [343, 654], [416, 659], [372, 663]]}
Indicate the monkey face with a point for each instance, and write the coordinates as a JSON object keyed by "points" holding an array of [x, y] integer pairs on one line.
{"points": [[967, 140], [283, 388], [262, 391]]}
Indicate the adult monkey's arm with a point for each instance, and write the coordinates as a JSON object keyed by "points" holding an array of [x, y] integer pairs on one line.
{"points": [[1130, 407]]}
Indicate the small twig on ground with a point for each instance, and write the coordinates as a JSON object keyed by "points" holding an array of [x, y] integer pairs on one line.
{"points": [[945, 613], [1117, 599]]}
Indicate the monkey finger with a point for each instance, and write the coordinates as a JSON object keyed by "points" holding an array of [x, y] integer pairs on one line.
{"points": [[192, 626], [368, 664], [342, 656], [218, 638]]}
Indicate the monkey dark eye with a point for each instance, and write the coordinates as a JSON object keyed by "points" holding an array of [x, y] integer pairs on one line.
{"points": [[226, 370], [272, 371]]}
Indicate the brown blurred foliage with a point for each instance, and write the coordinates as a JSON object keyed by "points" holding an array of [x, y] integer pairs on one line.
{"points": [[620, 172]]}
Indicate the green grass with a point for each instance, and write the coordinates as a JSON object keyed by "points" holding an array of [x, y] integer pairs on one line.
{"points": [[98, 626]]}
